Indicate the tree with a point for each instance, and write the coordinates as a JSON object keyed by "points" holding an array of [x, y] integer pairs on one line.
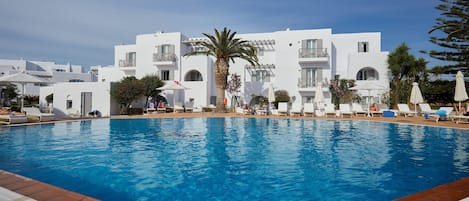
{"points": [[340, 91], [405, 69], [233, 86], [126, 91], [225, 48], [151, 83], [453, 27], [281, 96]]}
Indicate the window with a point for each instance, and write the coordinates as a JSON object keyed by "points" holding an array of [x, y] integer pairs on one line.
{"points": [[260, 76], [309, 77], [367, 74], [193, 75], [69, 102], [363, 47], [75, 80], [166, 75], [312, 48], [307, 99], [130, 58]]}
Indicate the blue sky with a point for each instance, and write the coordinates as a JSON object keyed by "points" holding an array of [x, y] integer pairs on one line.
{"points": [[84, 32]]}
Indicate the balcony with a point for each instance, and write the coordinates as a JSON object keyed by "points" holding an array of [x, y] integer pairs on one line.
{"points": [[127, 65], [165, 59], [313, 55]]}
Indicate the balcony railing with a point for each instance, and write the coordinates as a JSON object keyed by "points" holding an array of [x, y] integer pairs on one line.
{"points": [[312, 52], [125, 63], [167, 57], [305, 84]]}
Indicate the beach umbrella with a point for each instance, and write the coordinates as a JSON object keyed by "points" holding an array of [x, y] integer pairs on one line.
{"points": [[21, 78], [460, 93], [175, 86], [271, 96], [319, 95], [415, 95]]}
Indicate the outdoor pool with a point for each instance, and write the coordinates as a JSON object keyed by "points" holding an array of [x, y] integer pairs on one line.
{"points": [[236, 158]]}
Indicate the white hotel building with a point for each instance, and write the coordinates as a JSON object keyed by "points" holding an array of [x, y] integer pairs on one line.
{"points": [[292, 60]]}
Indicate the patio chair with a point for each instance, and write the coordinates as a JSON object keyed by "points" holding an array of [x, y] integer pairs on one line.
{"points": [[357, 109], [344, 109], [329, 110], [35, 114], [13, 119], [282, 108], [444, 113], [189, 106], [426, 109], [178, 107], [404, 110], [308, 109], [296, 109]]}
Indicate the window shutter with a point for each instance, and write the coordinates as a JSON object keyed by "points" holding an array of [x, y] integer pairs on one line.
{"points": [[303, 77], [318, 75], [171, 49], [319, 44]]}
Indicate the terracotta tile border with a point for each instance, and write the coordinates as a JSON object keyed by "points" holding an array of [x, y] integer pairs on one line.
{"points": [[456, 190], [38, 190]]}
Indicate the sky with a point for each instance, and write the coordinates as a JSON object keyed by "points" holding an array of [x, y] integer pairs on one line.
{"points": [[84, 32]]}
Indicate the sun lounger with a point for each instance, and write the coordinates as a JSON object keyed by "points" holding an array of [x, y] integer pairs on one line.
{"points": [[296, 109], [404, 110], [242, 111], [282, 108], [357, 109], [178, 107], [444, 113], [308, 109], [35, 114], [426, 109], [13, 119], [329, 110], [344, 109], [460, 119]]}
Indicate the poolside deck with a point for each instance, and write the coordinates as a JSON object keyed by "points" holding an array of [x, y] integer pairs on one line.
{"points": [[18, 188], [13, 186]]}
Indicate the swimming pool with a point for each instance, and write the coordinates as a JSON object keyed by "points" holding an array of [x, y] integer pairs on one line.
{"points": [[236, 158]]}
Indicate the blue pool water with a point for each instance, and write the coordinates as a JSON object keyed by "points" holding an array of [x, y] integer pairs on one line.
{"points": [[236, 158]]}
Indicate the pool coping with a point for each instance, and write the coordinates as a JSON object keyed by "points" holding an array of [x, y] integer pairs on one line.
{"points": [[17, 187], [449, 191]]}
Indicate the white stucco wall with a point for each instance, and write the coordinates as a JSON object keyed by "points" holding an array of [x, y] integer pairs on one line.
{"points": [[101, 98]]}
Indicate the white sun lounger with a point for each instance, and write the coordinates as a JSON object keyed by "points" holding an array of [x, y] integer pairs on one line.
{"points": [[35, 114], [357, 109], [404, 110], [282, 108], [330, 110], [13, 119], [308, 109], [296, 109], [344, 109], [426, 109]]}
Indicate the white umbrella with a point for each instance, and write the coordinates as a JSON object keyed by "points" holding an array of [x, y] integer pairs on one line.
{"points": [[460, 93], [271, 96], [415, 95], [173, 85], [21, 78], [319, 95]]}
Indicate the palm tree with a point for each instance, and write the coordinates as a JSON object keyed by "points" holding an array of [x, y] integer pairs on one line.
{"points": [[225, 47]]}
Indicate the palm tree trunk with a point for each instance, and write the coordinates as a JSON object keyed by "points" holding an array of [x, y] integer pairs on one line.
{"points": [[221, 73]]}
